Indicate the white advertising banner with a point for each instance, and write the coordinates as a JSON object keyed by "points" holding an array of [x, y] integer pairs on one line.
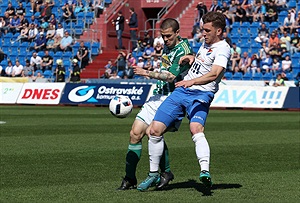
{"points": [[9, 92], [250, 96], [41, 93]]}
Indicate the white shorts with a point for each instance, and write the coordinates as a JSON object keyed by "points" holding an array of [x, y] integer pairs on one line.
{"points": [[149, 109]]}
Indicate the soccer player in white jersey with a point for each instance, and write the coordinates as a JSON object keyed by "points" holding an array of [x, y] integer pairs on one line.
{"points": [[193, 95]]}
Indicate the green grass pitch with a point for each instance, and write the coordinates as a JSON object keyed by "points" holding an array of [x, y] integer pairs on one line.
{"points": [[77, 154]]}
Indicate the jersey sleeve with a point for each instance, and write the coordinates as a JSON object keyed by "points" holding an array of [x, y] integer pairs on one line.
{"points": [[222, 56]]}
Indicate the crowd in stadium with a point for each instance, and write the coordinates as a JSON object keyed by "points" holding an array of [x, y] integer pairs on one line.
{"points": [[263, 36], [35, 34]]}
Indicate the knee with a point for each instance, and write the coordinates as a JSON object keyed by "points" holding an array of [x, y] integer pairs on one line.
{"points": [[155, 130], [136, 136], [196, 128]]}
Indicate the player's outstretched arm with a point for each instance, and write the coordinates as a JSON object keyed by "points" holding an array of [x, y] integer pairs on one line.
{"points": [[204, 79], [164, 75]]}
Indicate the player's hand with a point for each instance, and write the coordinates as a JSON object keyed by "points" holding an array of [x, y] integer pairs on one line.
{"points": [[138, 70], [186, 59], [184, 83]]}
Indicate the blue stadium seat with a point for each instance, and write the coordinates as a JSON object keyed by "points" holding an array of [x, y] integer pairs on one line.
{"points": [[267, 76], [257, 76], [247, 76], [228, 75], [292, 4], [48, 74], [290, 76], [237, 76]]}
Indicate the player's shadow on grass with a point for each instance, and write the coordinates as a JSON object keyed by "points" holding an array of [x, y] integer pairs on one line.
{"points": [[201, 188]]}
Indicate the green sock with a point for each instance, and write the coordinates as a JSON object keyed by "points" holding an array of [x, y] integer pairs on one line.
{"points": [[164, 163], [132, 158]]}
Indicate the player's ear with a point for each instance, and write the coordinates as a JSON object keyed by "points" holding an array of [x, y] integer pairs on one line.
{"points": [[219, 32]]}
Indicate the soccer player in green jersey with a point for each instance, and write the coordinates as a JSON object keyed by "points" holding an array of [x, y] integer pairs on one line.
{"points": [[170, 72]]}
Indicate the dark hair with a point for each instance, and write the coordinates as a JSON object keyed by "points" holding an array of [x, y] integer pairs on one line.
{"points": [[170, 22], [132, 9], [217, 19]]}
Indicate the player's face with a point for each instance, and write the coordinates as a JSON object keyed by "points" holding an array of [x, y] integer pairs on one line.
{"points": [[210, 33], [170, 37]]}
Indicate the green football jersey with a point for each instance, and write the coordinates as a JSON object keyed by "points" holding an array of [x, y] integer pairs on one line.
{"points": [[170, 59]]}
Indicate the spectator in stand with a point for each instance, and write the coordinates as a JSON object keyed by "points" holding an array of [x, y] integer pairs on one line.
{"points": [[281, 4], [35, 5], [44, 25], [36, 61], [254, 64], [9, 69], [75, 72], [72, 3], [232, 11], [28, 70], [114, 75], [99, 7], [130, 62], [275, 51], [109, 68], [235, 56], [285, 41], [297, 80], [55, 44], [23, 34], [273, 39], [296, 25], [52, 20], [275, 66], [121, 64], [266, 64], [272, 13], [155, 62], [197, 37], [140, 62], [287, 24], [68, 14], [259, 12], [279, 81], [148, 52], [215, 6], [37, 76], [79, 7], [50, 32], [286, 64], [47, 61], [119, 26], [17, 69], [34, 21], [65, 43], [10, 10], [202, 9], [159, 39], [23, 23], [5, 21], [46, 11], [32, 32], [14, 24], [295, 43], [263, 34], [250, 12], [148, 39], [133, 27], [40, 43], [240, 15], [82, 55], [20, 10], [244, 64], [263, 51], [148, 66], [158, 50], [60, 30], [227, 39]]}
